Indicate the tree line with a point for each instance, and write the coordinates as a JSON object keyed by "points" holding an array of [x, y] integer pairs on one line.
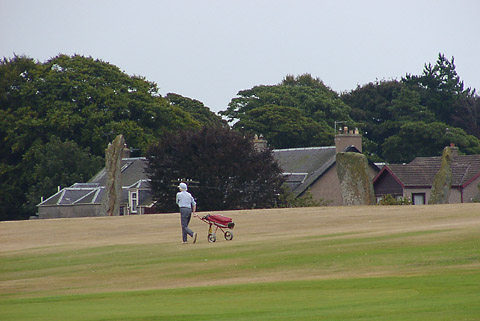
{"points": [[400, 119], [57, 117]]}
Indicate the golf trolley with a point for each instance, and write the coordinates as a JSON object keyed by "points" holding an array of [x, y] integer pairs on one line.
{"points": [[216, 222]]}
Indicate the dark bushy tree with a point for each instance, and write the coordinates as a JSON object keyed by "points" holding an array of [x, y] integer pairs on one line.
{"points": [[230, 173], [467, 114]]}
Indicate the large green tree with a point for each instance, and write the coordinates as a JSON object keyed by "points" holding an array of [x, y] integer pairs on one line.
{"points": [[227, 171], [426, 139], [196, 109], [317, 107], [371, 106], [439, 87], [285, 127], [81, 99], [77, 99], [407, 107], [467, 114]]}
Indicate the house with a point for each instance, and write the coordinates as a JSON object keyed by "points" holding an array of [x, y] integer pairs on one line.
{"points": [[414, 180], [314, 169], [85, 199]]}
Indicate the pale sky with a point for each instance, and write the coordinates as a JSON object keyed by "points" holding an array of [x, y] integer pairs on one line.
{"points": [[210, 50]]}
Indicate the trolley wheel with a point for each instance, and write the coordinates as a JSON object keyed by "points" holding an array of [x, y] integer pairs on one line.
{"points": [[228, 235], [212, 238]]}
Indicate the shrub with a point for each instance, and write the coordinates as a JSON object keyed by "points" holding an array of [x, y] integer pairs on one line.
{"points": [[390, 200]]}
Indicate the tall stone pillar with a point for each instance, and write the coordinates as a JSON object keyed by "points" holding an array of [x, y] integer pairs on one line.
{"points": [[442, 183], [113, 185], [355, 183]]}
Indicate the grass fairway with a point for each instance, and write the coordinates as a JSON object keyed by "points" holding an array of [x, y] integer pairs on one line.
{"points": [[332, 263]]}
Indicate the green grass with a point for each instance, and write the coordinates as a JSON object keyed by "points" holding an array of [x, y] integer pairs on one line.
{"points": [[452, 296], [426, 275]]}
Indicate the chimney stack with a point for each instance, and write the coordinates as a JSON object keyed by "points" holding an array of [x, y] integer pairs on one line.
{"points": [[259, 143], [125, 151], [453, 150], [347, 138]]}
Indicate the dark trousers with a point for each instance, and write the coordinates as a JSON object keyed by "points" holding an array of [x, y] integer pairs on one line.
{"points": [[185, 216]]}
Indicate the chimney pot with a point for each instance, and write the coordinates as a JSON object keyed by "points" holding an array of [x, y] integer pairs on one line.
{"points": [[347, 139]]}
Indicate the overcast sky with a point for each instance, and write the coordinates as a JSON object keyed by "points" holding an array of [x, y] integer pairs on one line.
{"points": [[209, 50]]}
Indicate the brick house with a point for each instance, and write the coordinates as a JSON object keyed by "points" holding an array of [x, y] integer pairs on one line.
{"points": [[313, 169], [414, 180]]}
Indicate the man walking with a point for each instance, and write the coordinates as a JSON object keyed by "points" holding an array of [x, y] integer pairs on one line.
{"points": [[187, 206]]}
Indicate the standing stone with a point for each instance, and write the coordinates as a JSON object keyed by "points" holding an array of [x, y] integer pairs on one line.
{"points": [[113, 185], [442, 183], [355, 183]]}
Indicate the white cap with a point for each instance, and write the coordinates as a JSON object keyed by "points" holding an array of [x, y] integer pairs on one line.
{"points": [[182, 186]]}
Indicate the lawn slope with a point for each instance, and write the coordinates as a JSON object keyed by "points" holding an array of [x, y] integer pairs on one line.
{"points": [[329, 263]]}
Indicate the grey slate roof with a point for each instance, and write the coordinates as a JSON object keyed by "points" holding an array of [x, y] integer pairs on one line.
{"points": [[422, 170], [67, 196], [94, 197], [302, 166], [293, 180], [133, 170], [303, 160], [133, 176]]}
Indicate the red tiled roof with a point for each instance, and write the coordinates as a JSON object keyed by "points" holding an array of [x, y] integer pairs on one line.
{"points": [[422, 170]]}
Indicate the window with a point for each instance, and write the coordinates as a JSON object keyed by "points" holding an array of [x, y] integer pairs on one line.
{"points": [[125, 166], [133, 202], [418, 198]]}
